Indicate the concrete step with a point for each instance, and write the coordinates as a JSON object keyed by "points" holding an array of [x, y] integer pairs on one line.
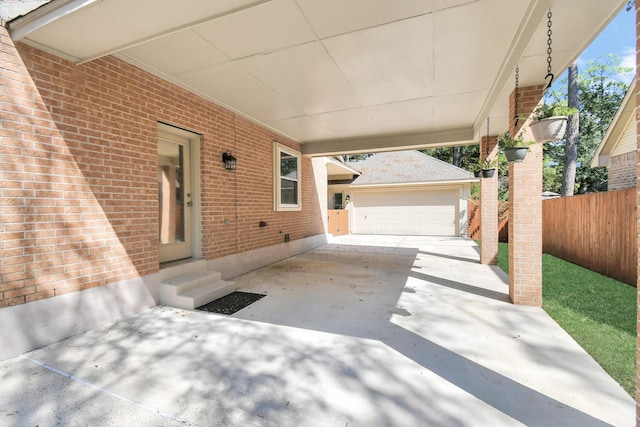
{"points": [[209, 292], [191, 289], [184, 282], [181, 268]]}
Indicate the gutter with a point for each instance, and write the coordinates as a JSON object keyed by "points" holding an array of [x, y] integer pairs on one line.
{"points": [[44, 15], [416, 184]]}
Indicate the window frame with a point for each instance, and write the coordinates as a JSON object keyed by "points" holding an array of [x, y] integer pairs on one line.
{"points": [[277, 187], [341, 205]]}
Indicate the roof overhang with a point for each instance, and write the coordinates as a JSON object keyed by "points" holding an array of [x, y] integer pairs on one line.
{"points": [[336, 76], [626, 111], [337, 168]]}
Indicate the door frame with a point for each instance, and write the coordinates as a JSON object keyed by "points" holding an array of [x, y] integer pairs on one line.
{"points": [[196, 190]]}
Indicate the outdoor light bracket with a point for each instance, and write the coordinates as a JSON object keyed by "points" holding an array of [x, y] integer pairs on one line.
{"points": [[229, 161]]}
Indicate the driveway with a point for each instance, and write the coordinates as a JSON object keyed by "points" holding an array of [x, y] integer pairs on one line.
{"points": [[365, 331]]}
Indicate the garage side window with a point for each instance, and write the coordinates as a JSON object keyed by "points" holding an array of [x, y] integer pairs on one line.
{"points": [[287, 163]]}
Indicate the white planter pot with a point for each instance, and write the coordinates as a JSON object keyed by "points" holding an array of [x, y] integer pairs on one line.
{"points": [[549, 129]]}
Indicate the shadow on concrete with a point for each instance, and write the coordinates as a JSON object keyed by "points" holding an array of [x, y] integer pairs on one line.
{"points": [[463, 287], [347, 335], [457, 258]]}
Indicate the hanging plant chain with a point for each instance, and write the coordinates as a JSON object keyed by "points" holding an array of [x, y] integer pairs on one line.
{"points": [[549, 50], [517, 95], [486, 145]]}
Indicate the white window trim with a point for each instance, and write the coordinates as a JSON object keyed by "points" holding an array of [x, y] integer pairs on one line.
{"points": [[278, 205]]}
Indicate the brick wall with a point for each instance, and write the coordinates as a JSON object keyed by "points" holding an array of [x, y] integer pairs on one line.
{"points": [[489, 205], [78, 174], [622, 172], [525, 210]]}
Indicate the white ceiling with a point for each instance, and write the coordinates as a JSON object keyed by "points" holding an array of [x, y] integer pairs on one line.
{"points": [[335, 75]]}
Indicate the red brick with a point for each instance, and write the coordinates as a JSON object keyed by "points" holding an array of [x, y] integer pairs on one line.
{"points": [[83, 142], [525, 212]]}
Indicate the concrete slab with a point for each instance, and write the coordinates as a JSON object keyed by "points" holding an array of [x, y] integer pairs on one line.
{"points": [[367, 330]]}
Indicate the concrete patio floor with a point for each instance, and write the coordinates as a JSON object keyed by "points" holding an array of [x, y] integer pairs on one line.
{"points": [[365, 331]]}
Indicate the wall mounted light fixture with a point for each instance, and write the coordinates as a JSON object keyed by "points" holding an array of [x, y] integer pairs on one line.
{"points": [[229, 161]]}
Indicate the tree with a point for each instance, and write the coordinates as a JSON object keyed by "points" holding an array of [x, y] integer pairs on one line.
{"points": [[573, 129], [601, 88], [461, 156], [356, 157], [457, 156]]}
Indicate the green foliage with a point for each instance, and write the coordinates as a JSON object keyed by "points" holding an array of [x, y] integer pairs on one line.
{"points": [[597, 311], [506, 141], [487, 164], [475, 190], [601, 90], [356, 157], [558, 108], [469, 155], [551, 175], [470, 160]]}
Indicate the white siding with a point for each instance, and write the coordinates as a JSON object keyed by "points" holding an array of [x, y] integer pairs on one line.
{"points": [[627, 142]]}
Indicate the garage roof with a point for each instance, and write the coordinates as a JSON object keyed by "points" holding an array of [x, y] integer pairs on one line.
{"points": [[404, 167], [337, 76]]}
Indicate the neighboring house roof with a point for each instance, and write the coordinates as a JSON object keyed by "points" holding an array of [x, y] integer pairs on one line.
{"points": [[337, 167], [621, 136], [550, 195], [403, 167]]}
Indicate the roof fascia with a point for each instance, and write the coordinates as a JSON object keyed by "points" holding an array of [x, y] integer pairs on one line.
{"points": [[46, 14], [414, 141], [617, 127], [347, 168], [416, 184]]}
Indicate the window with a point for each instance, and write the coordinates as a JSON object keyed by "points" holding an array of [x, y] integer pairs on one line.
{"points": [[337, 201], [287, 178]]}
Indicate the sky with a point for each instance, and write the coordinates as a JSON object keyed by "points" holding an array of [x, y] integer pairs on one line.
{"points": [[618, 38]]}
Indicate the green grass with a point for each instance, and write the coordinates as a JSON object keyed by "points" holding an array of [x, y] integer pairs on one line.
{"points": [[597, 311]]}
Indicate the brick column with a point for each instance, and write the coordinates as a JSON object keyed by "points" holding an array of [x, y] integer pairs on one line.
{"points": [[525, 210], [489, 205], [637, 4]]}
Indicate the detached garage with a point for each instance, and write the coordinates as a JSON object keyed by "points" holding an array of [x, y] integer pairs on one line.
{"points": [[406, 193], [417, 212]]}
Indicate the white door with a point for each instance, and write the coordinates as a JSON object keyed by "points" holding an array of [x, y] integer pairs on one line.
{"points": [[405, 212], [175, 198]]}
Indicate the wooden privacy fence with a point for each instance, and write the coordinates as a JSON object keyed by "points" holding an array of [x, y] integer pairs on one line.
{"points": [[596, 231], [473, 217], [338, 222]]}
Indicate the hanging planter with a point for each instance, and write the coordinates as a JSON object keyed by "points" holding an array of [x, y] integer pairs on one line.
{"points": [[549, 129], [477, 173], [514, 149], [515, 154], [488, 173], [487, 167], [550, 121]]}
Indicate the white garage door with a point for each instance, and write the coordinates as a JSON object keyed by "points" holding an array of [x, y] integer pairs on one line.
{"points": [[412, 213]]}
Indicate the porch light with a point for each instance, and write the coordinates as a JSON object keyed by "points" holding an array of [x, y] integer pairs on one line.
{"points": [[229, 161]]}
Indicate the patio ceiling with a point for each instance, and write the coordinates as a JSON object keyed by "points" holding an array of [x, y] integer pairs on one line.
{"points": [[338, 76]]}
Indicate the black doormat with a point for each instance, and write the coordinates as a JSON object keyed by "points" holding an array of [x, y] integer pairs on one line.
{"points": [[231, 303]]}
